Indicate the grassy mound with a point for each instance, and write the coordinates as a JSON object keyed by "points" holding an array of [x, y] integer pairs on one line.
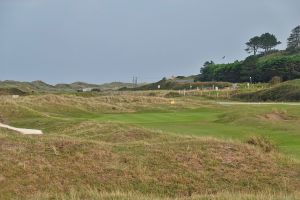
{"points": [[11, 91], [137, 161], [287, 91], [39, 106], [169, 84]]}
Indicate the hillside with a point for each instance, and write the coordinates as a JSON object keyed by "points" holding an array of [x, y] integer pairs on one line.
{"points": [[260, 68], [180, 84], [75, 86], [117, 85], [287, 91], [39, 86], [11, 91]]}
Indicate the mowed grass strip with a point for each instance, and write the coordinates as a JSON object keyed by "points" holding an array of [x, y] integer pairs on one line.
{"points": [[228, 122]]}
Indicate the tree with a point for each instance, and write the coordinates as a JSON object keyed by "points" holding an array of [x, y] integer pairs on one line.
{"points": [[268, 42], [206, 72], [249, 69], [294, 39], [207, 63], [253, 45]]}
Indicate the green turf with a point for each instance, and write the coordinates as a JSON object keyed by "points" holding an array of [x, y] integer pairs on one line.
{"points": [[231, 122]]}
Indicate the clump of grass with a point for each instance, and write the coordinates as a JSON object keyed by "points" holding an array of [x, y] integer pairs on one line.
{"points": [[172, 95], [262, 142], [152, 94]]}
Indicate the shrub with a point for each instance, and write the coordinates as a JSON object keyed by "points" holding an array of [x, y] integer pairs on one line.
{"points": [[172, 95], [96, 90], [152, 94], [275, 80]]}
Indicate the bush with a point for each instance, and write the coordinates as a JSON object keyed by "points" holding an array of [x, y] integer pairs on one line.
{"points": [[275, 80], [96, 90], [172, 95], [152, 94]]}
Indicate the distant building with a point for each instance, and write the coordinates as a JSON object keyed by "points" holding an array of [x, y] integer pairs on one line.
{"points": [[87, 89]]}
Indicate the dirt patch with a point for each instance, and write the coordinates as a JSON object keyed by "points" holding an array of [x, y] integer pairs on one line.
{"points": [[275, 116], [2, 178]]}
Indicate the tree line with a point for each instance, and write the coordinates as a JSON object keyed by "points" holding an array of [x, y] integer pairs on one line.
{"points": [[259, 67]]}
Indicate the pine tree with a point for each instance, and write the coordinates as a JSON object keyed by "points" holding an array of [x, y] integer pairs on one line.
{"points": [[253, 45], [268, 42], [294, 39]]}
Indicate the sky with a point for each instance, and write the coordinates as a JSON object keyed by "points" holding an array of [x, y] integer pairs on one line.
{"points": [[98, 41]]}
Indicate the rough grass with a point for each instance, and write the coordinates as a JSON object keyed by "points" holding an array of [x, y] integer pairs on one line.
{"points": [[288, 91], [88, 144], [92, 194], [173, 167]]}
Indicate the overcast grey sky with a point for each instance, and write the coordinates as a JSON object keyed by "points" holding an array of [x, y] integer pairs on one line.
{"points": [[111, 40]]}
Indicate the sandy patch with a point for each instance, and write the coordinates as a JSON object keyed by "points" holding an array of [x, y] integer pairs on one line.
{"points": [[275, 116], [22, 130]]}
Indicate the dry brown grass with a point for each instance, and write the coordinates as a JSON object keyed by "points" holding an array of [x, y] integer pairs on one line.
{"points": [[110, 132], [93, 194], [141, 162], [45, 105]]}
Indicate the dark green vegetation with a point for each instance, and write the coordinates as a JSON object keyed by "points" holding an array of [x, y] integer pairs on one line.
{"points": [[134, 146], [294, 40], [287, 91], [266, 42], [11, 91], [262, 67]]}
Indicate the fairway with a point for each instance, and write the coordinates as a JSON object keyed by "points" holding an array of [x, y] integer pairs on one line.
{"points": [[221, 122]]}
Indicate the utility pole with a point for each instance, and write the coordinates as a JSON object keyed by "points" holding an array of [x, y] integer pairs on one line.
{"points": [[134, 81]]}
